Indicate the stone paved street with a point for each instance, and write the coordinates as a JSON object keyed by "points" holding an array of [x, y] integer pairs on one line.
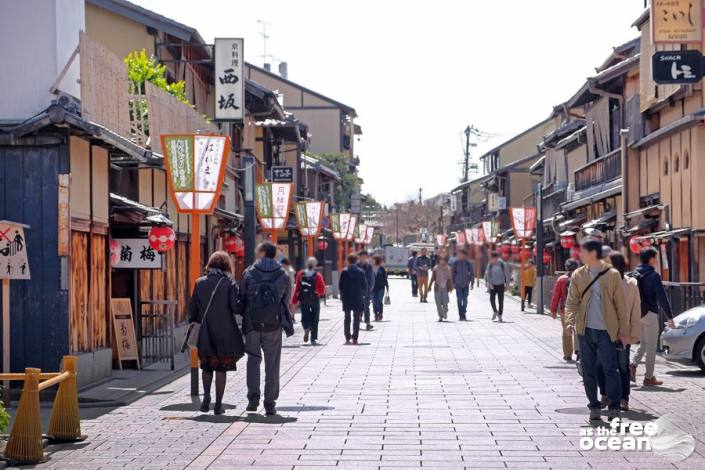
{"points": [[415, 394]]}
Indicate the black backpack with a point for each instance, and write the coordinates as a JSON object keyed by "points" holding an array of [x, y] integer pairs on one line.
{"points": [[307, 291], [639, 276], [265, 308]]}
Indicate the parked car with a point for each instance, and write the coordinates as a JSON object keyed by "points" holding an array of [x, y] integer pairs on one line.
{"points": [[395, 259], [686, 342]]}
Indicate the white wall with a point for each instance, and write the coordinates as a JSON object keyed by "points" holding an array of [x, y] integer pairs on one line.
{"points": [[37, 38]]}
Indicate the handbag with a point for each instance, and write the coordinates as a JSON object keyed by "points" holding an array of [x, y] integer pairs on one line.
{"points": [[194, 329], [387, 300]]}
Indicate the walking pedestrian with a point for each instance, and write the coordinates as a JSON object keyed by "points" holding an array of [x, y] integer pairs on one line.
{"points": [[423, 267], [291, 273], [558, 299], [308, 291], [463, 271], [497, 279], [380, 287], [442, 283], [652, 294], [364, 264], [353, 289], [596, 310], [529, 278], [411, 270], [264, 293], [633, 305], [213, 305]]}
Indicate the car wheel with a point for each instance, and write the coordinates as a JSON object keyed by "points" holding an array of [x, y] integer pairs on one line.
{"points": [[699, 353]]}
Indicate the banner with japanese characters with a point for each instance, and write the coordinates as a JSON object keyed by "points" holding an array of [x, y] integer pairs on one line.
{"points": [[13, 251], [229, 79], [370, 234], [135, 253], [339, 224], [523, 221], [272, 204], [460, 237], [309, 216], [470, 236], [352, 225], [441, 240], [360, 233], [195, 166], [489, 231]]}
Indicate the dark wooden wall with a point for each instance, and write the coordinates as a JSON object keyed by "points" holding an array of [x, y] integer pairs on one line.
{"points": [[39, 307]]}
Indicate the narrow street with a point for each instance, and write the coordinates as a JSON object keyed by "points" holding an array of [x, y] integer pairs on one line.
{"points": [[414, 394]]}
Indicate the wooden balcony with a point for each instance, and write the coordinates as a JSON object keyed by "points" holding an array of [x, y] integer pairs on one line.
{"points": [[603, 170]]}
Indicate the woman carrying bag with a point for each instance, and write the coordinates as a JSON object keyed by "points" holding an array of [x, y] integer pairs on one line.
{"points": [[219, 340], [381, 286]]}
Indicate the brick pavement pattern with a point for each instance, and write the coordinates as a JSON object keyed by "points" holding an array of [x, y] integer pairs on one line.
{"points": [[415, 394]]}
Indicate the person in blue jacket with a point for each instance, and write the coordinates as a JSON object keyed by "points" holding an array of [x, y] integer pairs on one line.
{"points": [[353, 290]]}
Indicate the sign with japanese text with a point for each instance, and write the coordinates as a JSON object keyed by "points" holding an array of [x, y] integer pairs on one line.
{"points": [[460, 237], [195, 166], [229, 79], [124, 328], [13, 251], [360, 233], [480, 234], [283, 174], [352, 225], [492, 202], [470, 236], [136, 253], [489, 231], [340, 224], [441, 240], [676, 21], [370, 234], [64, 215], [523, 221], [309, 216], [272, 203], [674, 67]]}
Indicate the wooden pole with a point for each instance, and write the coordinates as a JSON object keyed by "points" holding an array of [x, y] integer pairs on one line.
{"points": [[194, 273], [6, 339], [521, 275], [310, 247]]}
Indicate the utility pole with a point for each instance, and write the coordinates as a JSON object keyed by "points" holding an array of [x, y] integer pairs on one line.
{"points": [[466, 163], [420, 196], [397, 217]]}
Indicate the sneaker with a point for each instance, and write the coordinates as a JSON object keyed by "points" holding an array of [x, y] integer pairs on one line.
{"points": [[604, 402], [369, 327], [347, 341], [252, 406], [206, 405], [494, 316], [612, 413], [653, 381], [354, 342], [218, 409], [632, 372], [270, 410], [306, 333], [567, 358], [624, 405], [440, 319], [499, 319], [314, 342], [595, 414]]}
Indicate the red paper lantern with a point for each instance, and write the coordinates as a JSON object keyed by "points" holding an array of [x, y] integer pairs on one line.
{"points": [[515, 249], [567, 241], [234, 244], [114, 252], [636, 243], [546, 257], [322, 245], [161, 238], [575, 252]]}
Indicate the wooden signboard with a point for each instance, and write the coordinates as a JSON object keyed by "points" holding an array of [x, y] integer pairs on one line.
{"points": [[124, 328], [64, 215]]}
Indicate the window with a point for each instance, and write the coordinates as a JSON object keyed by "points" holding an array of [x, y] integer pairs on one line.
{"points": [[676, 164], [686, 160], [665, 167]]}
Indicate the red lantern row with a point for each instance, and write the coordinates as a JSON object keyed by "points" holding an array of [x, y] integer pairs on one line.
{"points": [[636, 244], [161, 238]]}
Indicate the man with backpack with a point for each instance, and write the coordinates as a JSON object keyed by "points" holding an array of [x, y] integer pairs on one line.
{"points": [[309, 289], [264, 293], [652, 294]]}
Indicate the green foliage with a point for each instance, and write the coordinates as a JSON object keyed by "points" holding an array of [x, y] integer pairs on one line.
{"points": [[372, 204], [141, 69], [4, 419], [348, 178]]}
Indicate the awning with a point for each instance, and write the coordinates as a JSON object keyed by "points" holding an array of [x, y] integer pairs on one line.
{"points": [[669, 234], [573, 223], [646, 211], [606, 219], [134, 212], [614, 189], [223, 214], [642, 226], [312, 163]]}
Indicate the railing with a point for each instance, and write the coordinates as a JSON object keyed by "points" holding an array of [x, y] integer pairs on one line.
{"points": [[156, 332], [685, 295], [600, 171]]}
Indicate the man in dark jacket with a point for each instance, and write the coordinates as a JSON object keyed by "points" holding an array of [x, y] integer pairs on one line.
{"points": [[463, 279], [353, 289], [364, 264], [411, 271], [652, 295], [264, 292]]}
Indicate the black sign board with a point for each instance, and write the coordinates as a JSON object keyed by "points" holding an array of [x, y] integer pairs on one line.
{"points": [[282, 174], [674, 67]]}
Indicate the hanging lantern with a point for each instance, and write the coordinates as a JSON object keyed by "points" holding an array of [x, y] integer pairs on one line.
{"points": [[526, 254], [114, 252], [161, 238], [234, 244], [515, 249], [505, 249], [546, 257], [636, 244], [568, 240], [322, 244], [575, 252]]}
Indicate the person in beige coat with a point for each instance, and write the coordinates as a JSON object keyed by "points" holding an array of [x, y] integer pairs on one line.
{"points": [[596, 310], [632, 301], [442, 283]]}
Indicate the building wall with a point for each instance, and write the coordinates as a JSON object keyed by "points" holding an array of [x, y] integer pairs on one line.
{"points": [[524, 145], [521, 185], [37, 37], [119, 34]]}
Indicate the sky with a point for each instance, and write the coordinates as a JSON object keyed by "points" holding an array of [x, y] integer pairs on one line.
{"points": [[418, 73]]}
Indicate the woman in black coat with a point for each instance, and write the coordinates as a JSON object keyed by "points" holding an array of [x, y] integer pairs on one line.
{"points": [[220, 343]]}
